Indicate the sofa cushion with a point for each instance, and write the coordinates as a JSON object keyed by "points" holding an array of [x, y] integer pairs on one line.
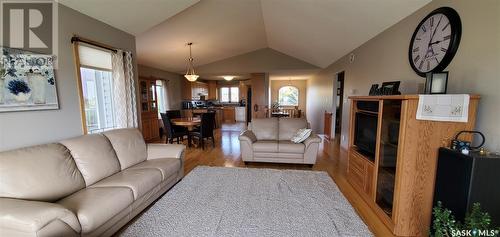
{"points": [[129, 146], [167, 166], [40, 173], [265, 128], [289, 126], [94, 156], [265, 146], [140, 181], [95, 206], [291, 147]]}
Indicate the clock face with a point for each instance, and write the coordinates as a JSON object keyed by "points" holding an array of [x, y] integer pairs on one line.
{"points": [[435, 42]]}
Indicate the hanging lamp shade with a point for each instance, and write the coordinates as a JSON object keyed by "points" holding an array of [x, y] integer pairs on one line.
{"points": [[190, 73]]}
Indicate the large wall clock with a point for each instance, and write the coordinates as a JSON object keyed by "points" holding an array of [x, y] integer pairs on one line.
{"points": [[435, 41]]}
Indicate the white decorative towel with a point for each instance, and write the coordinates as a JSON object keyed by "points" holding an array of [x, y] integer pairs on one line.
{"points": [[450, 108]]}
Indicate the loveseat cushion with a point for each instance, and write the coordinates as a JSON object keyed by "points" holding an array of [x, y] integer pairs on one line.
{"points": [[95, 206], [265, 128], [140, 181], [167, 166], [129, 146], [265, 146], [291, 147], [289, 126], [40, 173], [94, 156]]}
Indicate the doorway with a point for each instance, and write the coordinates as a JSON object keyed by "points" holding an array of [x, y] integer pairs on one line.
{"points": [[249, 104], [339, 102]]}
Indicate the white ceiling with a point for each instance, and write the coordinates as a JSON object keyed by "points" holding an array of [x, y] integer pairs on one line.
{"points": [[315, 31], [132, 16]]}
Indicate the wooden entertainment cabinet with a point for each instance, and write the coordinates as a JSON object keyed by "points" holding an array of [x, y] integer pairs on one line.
{"points": [[397, 179]]}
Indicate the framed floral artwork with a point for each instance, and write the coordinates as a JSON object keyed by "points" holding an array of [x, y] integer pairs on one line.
{"points": [[27, 81]]}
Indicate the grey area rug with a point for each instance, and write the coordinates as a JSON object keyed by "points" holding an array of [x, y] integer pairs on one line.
{"points": [[212, 201]]}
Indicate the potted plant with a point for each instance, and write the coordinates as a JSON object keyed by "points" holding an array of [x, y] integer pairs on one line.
{"points": [[476, 222]]}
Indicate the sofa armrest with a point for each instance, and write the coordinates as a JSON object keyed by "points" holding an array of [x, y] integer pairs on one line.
{"points": [[159, 151], [19, 217], [248, 136], [312, 139]]}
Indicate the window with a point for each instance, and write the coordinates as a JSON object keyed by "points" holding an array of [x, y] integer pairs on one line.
{"points": [[288, 96], [229, 94], [161, 96], [96, 88]]}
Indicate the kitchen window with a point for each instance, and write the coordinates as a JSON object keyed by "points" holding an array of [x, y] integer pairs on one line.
{"points": [[229, 94]]}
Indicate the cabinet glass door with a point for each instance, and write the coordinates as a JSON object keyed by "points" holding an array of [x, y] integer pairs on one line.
{"points": [[388, 152]]}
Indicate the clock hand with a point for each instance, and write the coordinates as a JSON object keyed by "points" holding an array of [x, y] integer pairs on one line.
{"points": [[433, 33], [436, 42]]}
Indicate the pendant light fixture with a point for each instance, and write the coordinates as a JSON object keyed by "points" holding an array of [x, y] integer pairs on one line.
{"points": [[190, 74], [228, 78]]}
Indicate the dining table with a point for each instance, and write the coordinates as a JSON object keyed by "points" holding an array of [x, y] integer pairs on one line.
{"points": [[188, 122]]}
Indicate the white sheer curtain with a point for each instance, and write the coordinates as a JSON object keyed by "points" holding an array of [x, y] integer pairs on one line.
{"points": [[162, 93], [124, 90]]}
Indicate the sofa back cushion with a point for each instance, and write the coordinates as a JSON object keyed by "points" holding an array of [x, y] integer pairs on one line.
{"points": [[289, 126], [94, 156], [265, 128], [129, 146], [40, 173]]}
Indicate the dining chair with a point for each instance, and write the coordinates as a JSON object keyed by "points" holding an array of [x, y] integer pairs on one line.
{"points": [[173, 114], [206, 130], [177, 132]]}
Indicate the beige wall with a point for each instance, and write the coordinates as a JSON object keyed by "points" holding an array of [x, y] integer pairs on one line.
{"points": [[262, 60], [174, 86], [300, 84], [475, 68], [19, 129]]}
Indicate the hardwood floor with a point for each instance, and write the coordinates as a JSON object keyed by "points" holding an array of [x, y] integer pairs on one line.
{"points": [[331, 158]]}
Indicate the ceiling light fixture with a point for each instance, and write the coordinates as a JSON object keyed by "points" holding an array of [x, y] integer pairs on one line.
{"points": [[190, 73], [228, 78]]}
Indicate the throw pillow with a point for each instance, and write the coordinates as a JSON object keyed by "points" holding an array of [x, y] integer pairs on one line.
{"points": [[301, 135]]}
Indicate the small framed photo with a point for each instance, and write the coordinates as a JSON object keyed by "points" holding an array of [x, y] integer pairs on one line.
{"points": [[436, 83]]}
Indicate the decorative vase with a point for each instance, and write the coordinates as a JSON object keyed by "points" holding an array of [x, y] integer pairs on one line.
{"points": [[38, 85], [2, 85]]}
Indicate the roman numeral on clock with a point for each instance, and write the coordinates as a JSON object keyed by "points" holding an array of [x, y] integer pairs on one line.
{"points": [[416, 49], [415, 60], [445, 26], [424, 29], [443, 49], [428, 65], [432, 21], [421, 64], [446, 37]]}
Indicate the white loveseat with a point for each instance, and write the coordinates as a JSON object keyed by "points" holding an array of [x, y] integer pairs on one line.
{"points": [[269, 140]]}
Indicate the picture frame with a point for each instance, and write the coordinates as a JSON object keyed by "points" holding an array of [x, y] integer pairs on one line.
{"points": [[27, 81], [436, 82], [390, 88], [373, 89]]}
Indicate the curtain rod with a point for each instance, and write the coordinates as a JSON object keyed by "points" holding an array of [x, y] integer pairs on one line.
{"points": [[87, 41]]}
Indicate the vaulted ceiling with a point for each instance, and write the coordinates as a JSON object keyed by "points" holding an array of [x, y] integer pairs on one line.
{"points": [[314, 31]]}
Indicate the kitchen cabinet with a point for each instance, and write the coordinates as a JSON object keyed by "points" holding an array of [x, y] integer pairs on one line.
{"points": [[193, 90], [228, 113], [212, 90]]}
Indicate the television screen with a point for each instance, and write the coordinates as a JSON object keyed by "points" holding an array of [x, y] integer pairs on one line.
{"points": [[365, 134]]}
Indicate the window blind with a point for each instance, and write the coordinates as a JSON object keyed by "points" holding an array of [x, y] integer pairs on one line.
{"points": [[95, 58]]}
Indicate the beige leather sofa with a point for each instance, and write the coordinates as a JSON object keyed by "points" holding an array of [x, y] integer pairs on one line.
{"points": [[86, 186], [268, 140]]}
